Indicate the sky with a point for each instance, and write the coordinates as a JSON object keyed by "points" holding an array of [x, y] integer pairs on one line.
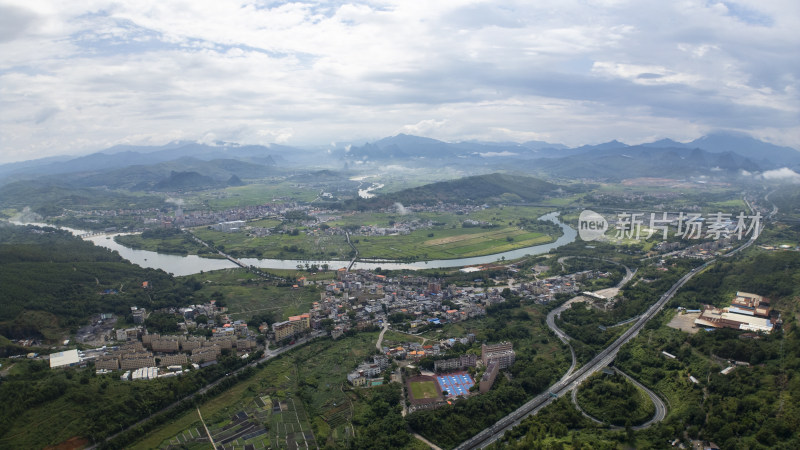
{"points": [[78, 77]]}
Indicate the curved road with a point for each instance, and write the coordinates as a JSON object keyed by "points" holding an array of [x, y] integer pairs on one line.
{"points": [[660, 407], [604, 358], [380, 336], [551, 316]]}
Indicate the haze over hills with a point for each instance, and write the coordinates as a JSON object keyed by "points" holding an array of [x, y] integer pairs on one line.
{"points": [[125, 156], [495, 187], [142, 167], [745, 153], [639, 161]]}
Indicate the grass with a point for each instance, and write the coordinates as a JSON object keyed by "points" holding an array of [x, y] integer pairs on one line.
{"points": [[447, 244], [446, 239], [309, 379], [424, 389], [246, 295], [395, 337], [177, 245], [278, 246]]}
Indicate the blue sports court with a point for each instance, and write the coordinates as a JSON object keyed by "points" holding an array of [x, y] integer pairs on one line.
{"points": [[456, 383]]}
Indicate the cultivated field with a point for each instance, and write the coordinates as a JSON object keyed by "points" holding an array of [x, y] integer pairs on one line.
{"points": [[274, 396], [246, 295]]}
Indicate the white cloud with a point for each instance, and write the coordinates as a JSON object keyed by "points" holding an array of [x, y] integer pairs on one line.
{"points": [[424, 127], [783, 174], [81, 76], [496, 154]]}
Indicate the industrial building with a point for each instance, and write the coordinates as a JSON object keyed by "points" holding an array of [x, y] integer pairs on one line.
{"points": [[66, 358], [748, 312]]}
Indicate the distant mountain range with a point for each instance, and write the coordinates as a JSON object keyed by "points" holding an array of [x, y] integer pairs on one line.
{"points": [[145, 168], [120, 157], [765, 155]]}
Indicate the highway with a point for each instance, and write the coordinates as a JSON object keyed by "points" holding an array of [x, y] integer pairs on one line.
{"points": [[603, 359], [568, 382], [658, 415]]}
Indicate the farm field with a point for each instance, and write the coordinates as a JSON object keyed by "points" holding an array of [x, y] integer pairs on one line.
{"points": [[300, 399], [278, 246], [252, 194], [447, 244], [245, 294], [443, 235]]}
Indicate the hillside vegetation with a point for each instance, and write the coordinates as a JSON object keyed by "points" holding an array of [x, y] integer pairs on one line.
{"points": [[492, 188], [52, 282], [51, 198]]}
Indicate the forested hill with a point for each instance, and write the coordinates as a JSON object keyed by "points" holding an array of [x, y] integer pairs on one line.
{"points": [[52, 197], [51, 282], [492, 188]]}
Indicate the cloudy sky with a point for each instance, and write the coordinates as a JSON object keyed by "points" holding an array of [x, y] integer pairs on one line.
{"points": [[82, 76]]}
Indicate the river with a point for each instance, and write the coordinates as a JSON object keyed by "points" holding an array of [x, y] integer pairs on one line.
{"points": [[192, 264]]}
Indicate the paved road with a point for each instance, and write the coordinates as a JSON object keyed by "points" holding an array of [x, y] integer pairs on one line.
{"points": [[551, 316], [603, 359], [660, 407], [380, 336]]}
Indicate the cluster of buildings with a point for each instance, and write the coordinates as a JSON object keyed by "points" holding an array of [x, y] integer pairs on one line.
{"points": [[189, 313], [703, 250], [748, 312], [294, 326], [366, 372], [362, 299], [494, 357], [203, 218], [155, 350], [145, 355], [545, 290]]}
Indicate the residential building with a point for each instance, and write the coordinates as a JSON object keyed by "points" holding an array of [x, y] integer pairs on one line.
{"points": [[172, 360], [461, 362], [487, 380], [288, 328], [503, 353], [107, 363]]}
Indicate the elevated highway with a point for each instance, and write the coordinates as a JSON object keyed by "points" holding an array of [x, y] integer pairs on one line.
{"points": [[602, 359]]}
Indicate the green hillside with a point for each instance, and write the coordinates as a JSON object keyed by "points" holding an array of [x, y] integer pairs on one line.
{"points": [[492, 188], [52, 282], [51, 198]]}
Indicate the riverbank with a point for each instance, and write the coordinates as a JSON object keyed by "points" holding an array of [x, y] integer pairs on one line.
{"points": [[192, 264]]}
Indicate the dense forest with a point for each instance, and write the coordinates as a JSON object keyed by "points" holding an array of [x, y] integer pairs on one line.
{"points": [[52, 282], [755, 405], [531, 374], [613, 399], [51, 198]]}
